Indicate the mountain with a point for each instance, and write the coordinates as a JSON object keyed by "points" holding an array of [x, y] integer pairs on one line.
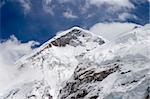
{"points": [[42, 73], [76, 64]]}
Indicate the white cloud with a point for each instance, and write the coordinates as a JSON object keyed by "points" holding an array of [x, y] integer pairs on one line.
{"points": [[109, 9], [68, 14], [48, 1], [147, 26], [47, 6], [26, 4], [11, 50], [120, 3], [111, 30], [125, 16]]}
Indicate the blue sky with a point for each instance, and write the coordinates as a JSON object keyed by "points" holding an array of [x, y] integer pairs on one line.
{"points": [[39, 20]]}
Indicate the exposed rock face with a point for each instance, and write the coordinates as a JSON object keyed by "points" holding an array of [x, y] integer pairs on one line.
{"points": [[107, 82], [83, 79], [75, 38]]}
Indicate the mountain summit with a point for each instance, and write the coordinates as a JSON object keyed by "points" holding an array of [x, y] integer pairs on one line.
{"points": [[76, 64], [52, 64]]}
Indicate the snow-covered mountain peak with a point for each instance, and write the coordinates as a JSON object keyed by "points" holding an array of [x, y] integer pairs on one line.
{"points": [[74, 37], [76, 64], [54, 62]]}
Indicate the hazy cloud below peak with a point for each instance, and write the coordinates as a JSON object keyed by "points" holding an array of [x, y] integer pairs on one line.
{"points": [[111, 30], [13, 48], [11, 51]]}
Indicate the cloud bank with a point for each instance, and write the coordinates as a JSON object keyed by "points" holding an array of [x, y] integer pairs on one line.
{"points": [[119, 3], [111, 30], [11, 51], [124, 16]]}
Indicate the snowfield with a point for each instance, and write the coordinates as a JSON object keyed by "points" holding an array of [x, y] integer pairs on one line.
{"points": [[76, 64]]}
